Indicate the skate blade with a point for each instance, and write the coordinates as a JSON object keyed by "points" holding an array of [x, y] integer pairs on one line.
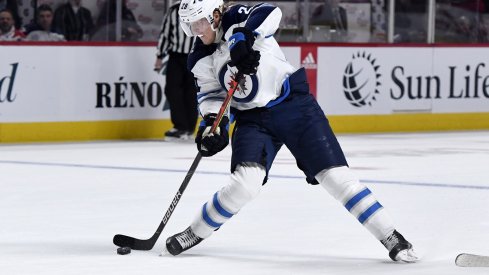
{"points": [[179, 140]]}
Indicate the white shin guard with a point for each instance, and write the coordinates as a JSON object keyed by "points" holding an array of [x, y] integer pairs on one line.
{"points": [[245, 184], [342, 184]]}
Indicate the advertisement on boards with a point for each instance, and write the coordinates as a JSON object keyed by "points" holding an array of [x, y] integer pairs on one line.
{"points": [[80, 84], [118, 83], [393, 80]]}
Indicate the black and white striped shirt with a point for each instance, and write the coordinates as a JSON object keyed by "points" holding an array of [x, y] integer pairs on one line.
{"points": [[172, 38]]}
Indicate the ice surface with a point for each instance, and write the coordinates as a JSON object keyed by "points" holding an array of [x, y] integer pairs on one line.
{"points": [[61, 204]]}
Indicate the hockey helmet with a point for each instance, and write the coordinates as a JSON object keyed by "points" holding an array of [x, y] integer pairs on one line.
{"points": [[195, 15]]}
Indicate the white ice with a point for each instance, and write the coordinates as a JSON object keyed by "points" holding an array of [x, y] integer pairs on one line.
{"points": [[61, 204]]}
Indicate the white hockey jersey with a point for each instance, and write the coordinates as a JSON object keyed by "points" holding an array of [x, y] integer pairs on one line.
{"points": [[209, 63]]}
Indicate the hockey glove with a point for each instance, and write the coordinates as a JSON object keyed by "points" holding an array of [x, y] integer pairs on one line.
{"points": [[241, 50], [210, 144]]}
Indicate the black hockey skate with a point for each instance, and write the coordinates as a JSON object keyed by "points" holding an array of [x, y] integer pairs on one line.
{"points": [[396, 243], [182, 241], [177, 135]]}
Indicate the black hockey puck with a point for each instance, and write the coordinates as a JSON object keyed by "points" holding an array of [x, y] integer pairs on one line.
{"points": [[123, 250]]}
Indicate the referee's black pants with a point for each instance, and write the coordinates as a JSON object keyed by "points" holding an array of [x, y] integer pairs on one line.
{"points": [[181, 93]]}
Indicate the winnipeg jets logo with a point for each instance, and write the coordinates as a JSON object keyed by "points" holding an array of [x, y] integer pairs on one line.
{"points": [[241, 90], [247, 88]]}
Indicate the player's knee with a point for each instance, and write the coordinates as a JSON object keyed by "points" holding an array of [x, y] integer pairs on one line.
{"points": [[340, 182], [247, 179]]}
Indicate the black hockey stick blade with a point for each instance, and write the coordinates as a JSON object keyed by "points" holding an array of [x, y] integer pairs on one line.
{"points": [[472, 260], [138, 244], [133, 243]]}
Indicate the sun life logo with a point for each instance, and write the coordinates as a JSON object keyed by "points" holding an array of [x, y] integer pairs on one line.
{"points": [[361, 80]]}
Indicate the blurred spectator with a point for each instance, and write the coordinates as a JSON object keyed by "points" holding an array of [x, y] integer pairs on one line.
{"points": [[473, 22], [460, 21], [74, 21], [410, 21], [106, 27], [470, 5], [14, 9], [331, 14], [8, 31], [42, 29]]}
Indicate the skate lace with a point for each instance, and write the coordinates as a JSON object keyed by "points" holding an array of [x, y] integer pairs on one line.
{"points": [[187, 238], [390, 241]]}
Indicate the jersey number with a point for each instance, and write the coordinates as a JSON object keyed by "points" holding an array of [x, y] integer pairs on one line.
{"points": [[244, 10]]}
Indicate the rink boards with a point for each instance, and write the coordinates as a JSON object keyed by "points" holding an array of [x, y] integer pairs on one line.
{"points": [[80, 92]]}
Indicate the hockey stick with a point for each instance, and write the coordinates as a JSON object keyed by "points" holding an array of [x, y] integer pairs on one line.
{"points": [[138, 244], [472, 260]]}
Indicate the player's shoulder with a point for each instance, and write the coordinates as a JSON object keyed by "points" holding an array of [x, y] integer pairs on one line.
{"points": [[239, 13], [235, 14], [199, 51]]}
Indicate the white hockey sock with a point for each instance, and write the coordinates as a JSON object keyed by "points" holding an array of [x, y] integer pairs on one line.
{"points": [[342, 184], [245, 184]]}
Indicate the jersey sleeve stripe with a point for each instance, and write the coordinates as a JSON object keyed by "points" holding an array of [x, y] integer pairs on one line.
{"points": [[212, 98], [203, 94]]}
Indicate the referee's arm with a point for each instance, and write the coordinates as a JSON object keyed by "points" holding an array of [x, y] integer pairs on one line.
{"points": [[164, 38]]}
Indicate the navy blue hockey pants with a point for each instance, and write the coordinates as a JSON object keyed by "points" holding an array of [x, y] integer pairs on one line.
{"points": [[298, 122]]}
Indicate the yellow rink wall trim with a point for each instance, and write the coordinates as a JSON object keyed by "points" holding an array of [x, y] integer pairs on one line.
{"points": [[409, 122], [83, 130], [154, 129]]}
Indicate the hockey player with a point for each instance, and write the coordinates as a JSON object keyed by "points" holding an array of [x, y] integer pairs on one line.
{"points": [[272, 108]]}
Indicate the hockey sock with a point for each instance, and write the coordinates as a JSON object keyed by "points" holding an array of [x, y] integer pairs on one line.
{"points": [[342, 184], [245, 184]]}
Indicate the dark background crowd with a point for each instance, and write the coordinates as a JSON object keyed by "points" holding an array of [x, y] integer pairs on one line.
{"points": [[68, 21], [456, 21]]}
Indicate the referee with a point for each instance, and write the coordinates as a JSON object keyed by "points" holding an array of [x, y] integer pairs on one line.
{"points": [[180, 89]]}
